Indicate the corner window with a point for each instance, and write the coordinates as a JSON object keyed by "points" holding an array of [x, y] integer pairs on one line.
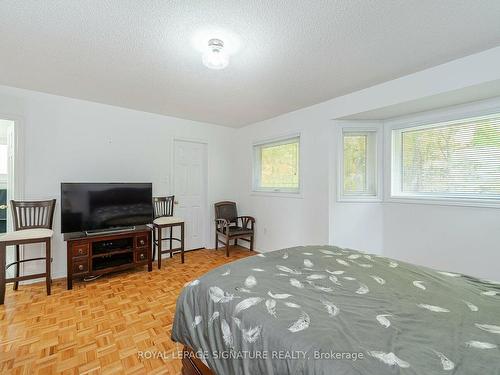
{"points": [[358, 165], [276, 166], [456, 160]]}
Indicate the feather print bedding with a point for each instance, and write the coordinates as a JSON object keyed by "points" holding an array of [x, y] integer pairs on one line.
{"points": [[291, 311]]}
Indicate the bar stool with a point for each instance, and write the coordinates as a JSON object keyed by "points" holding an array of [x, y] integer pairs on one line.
{"points": [[163, 218], [32, 224]]}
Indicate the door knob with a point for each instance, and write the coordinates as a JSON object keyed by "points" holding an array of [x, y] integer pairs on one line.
{"points": [[3, 206], [176, 202]]}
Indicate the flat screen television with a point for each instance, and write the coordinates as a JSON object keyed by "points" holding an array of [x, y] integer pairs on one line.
{"points": [[87, 207]]}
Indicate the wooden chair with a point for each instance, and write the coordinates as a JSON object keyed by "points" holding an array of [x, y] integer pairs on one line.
{"points": [[163, 218], [231, 226], [32, 224]]}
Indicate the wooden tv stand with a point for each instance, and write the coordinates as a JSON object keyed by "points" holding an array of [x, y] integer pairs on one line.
{"points": [[99, 254]]}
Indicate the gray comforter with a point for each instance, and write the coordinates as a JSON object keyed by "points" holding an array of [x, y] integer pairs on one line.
{"points": [[326, 310]]}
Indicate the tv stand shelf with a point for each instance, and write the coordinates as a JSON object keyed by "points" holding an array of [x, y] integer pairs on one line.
{"points": [[99, 254], [103, 255]]}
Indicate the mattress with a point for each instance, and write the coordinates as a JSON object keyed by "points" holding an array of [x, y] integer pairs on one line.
{"points": [[327, 310]]}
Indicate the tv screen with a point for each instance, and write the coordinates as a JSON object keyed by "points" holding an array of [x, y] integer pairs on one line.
{"points": [[98, 206]]}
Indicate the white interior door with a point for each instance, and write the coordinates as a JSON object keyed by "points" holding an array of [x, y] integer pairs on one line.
{"points": [[190, 189]]}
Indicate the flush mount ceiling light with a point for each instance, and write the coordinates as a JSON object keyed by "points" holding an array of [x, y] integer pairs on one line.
{"points": [[215, 57]]}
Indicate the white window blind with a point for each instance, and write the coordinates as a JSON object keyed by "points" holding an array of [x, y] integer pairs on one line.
{"points": [[458, 159], [358, 164], [276, 166]]}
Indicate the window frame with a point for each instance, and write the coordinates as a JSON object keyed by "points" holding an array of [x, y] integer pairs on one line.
{"points": [[393, 161], [256, 166], [376, 132]]}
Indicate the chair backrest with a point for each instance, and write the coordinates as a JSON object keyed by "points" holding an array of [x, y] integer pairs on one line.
{"points": [[163, 206], [33, 214], [226, 210]]}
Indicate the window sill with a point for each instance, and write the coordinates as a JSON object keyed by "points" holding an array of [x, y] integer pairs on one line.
{"points": [[444, 201], [359, 200], [277, 194]]}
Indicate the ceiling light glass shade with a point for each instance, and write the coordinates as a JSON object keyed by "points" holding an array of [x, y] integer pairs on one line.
{"points": [[215, 56]]}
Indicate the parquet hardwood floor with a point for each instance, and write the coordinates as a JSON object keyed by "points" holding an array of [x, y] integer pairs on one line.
{"points": [[100, 326]]}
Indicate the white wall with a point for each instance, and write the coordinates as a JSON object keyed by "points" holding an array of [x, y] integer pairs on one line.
{"points": [[317, 217], [461, 239], [358, 226], [73, 140]]}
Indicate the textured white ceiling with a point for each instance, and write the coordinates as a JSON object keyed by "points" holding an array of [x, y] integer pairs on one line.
{"points": [[140, 54]]}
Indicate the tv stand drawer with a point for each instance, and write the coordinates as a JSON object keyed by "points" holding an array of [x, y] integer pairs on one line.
{"points": [[141, 241], [141, 255], [80, 266], [81, 250]]}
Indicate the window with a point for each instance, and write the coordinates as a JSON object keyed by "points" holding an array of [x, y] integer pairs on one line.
{"points": [[4, 159], [276, 166], [457, 160], [358, 161]]}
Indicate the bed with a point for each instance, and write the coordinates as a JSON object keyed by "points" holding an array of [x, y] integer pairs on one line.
{"points": [[326, 310]]}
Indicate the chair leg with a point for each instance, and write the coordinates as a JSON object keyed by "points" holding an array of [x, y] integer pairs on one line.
{"points": [[171, 232], [154, 244], [159, 247], [235, 242], [227, 246], [47, 265], [182, 243], [16, 283], [2, 273], [251, 243], [216, 241]]}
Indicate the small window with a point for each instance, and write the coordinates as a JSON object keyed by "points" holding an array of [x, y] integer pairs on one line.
{"points": [[4, 159], [358, 164], [457, 160], [276, 166]]}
